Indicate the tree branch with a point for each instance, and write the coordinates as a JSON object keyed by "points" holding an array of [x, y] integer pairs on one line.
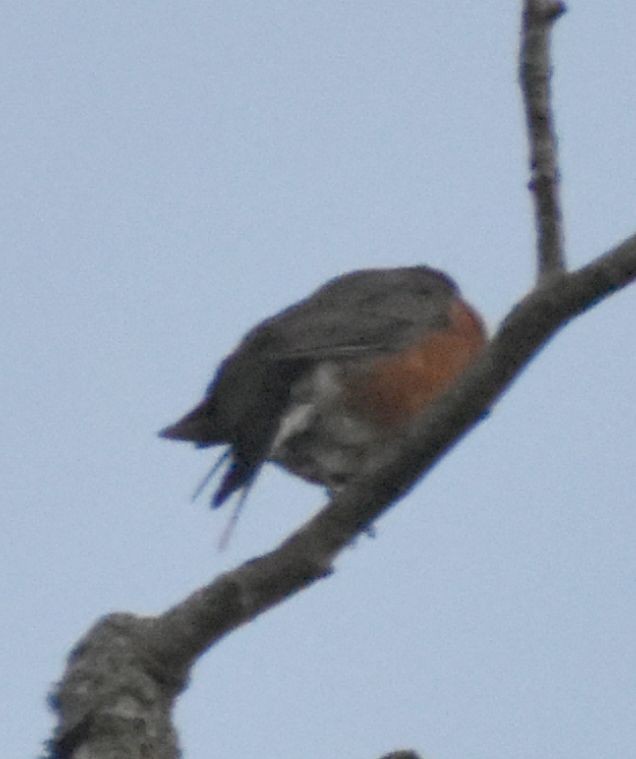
{"points": [[534, 76], [122, 679]]}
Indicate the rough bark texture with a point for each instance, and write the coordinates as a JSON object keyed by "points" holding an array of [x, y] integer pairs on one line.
{"points": [[117, 695]]}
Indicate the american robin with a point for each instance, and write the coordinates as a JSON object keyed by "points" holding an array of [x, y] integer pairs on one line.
{"points": [[322, 386]]}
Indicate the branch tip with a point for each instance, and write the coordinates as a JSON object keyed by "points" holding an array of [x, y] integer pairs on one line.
{"points": [[554, 11]]}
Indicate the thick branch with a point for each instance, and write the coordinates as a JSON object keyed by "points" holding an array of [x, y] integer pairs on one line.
{"points": [[121, 681], [534, 75], [134, 682]]}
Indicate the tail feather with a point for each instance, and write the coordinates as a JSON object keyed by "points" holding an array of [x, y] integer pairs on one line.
{"points": [[210, 474], [197, 426], [239, 476]]}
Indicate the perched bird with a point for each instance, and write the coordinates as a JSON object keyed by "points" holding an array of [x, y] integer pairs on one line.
{"points": [[323, 386]]}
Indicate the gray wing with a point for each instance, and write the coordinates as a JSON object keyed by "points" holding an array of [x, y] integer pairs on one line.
{"points": [[364, 312]]}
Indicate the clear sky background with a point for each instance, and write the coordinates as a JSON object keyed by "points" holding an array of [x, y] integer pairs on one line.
{"points": [[173, 172]]}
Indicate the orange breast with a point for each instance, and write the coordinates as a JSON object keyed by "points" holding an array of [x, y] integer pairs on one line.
{"points": [[402, 385]]}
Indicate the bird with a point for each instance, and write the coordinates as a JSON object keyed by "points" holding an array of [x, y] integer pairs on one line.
{"points": [[322, 387]]}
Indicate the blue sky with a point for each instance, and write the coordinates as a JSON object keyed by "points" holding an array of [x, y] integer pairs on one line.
{"points": [[174, 172]]}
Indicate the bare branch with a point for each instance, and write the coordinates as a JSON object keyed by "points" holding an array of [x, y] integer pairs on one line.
{"points": [[117, 697], [122, 680], [534, 73], [128, 670]]}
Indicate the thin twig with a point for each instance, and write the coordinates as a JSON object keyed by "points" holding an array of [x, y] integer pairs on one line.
{"points": [[534, 74]]}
